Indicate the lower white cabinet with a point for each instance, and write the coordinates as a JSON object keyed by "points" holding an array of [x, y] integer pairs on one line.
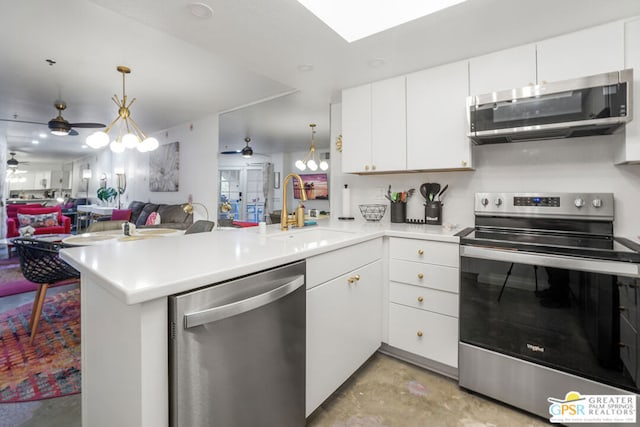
{"points": [[425, 333], [423, 298], [344, 328]]}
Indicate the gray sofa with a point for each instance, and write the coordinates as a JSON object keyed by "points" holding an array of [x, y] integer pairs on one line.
{"points": [[171, 216]]}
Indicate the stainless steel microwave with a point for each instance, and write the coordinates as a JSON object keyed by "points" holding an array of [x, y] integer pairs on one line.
{"points": [[592, 105]]}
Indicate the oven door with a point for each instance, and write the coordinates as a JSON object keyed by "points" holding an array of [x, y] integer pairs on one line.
{"points": [[556, 311]]}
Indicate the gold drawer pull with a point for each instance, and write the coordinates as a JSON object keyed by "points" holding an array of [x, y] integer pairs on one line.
{"points": [[420, 276], [420, 252], [353, 279], [420, 299], [622, 308], [419, 333]]}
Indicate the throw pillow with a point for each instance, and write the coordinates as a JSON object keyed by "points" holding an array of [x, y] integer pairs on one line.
{"points": [[41, 220], [153, 219]]}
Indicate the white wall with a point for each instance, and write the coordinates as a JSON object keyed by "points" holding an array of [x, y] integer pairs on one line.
{"points": [[564, 165], [198, 168]]}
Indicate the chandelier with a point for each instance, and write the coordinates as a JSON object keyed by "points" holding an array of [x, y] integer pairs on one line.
{"points": [[311, 160], [129, 134]]}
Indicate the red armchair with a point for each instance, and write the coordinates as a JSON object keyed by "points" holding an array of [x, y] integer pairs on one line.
{"points": [[13, 225]]}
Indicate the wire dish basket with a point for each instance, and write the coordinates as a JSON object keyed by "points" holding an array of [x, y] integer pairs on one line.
{"points": [[373, 212]]}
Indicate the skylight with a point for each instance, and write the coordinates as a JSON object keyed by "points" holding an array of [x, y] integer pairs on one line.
{"points": [[357, 19]]}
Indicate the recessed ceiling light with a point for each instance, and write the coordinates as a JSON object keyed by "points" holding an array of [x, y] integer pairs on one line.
{"points": [[42, 135], [200, 10], [356, 19], [305, 68], [35, 141]]}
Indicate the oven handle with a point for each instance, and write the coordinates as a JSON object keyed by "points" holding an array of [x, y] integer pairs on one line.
{"points": [[558, 261]]}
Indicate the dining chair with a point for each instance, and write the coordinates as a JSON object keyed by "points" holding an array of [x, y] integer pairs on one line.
{"points": [[200, 226], [41, 264]]}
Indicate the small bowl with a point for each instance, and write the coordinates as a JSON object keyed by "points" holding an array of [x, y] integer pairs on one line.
{"points": [[372, 212]]}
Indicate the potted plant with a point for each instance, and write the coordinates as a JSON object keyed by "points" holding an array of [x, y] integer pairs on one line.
{"points": [[107, 194]]}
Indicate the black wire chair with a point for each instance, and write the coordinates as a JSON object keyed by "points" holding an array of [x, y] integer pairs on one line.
{"points": [[41, 264]]}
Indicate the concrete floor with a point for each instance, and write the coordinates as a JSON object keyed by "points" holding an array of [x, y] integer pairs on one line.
{"points": [[385, 392]]}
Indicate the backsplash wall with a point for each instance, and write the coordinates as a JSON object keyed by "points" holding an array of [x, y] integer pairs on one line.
{"points": [[564, 165]]}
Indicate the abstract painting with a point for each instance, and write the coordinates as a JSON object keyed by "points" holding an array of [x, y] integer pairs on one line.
{"points": [[164, 168]]}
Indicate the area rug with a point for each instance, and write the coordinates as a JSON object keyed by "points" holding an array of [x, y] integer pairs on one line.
{"points": [[11, 279], [51, 366]]}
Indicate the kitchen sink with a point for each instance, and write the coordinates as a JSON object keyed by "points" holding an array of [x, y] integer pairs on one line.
{"points": [[309, 236]]}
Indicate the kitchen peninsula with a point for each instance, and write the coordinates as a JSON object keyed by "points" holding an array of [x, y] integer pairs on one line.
{"points": [[124, 287]]}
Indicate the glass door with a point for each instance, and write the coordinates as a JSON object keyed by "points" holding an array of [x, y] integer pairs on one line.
{"points": [[241, 194]]}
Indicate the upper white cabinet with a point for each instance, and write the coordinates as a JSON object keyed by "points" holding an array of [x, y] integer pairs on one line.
{"points": [[583, 53], [437, 118], [629, 149], [503, 70], [374, 127]]}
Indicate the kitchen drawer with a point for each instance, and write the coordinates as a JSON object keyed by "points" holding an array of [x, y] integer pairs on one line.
{"points": [[424, 298], [441, 253], [330, 265], [427, 275], [427, 334], [628, 288], [628, 347]]}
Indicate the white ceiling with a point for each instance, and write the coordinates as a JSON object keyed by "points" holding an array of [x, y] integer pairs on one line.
{"points": [[185, 68]]}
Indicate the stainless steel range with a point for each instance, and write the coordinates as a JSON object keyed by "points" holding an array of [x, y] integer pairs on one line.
{"points": [[549, 299]]}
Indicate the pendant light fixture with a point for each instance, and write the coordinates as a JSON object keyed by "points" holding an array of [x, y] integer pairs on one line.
{"points": [[311, 160], [129, 133]]}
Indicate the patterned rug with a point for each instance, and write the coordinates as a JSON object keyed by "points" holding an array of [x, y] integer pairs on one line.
{"points": [[49, 368]]}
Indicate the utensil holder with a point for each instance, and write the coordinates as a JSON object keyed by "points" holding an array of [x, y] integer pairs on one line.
{"points": [[433, 213], [398, 212]]}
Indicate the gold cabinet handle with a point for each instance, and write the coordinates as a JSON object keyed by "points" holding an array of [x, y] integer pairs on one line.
{"points": [[621, 345], [353, 279], [420, 299], [622, 308], [373, 167], [419, 333], [420, 252], [366, 167], [420, 276], [464, 163]]}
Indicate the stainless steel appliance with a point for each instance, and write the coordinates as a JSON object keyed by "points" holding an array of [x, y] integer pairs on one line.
{"points": [[593, 105], [548, 299], [237, 352]]}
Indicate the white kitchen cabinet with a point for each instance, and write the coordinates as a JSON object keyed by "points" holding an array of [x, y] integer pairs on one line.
{"points": [[437, 118], [503, 70], [628, 150], [374, 127], [356, 129], [423, 299], [582, 53], [344, 328]]}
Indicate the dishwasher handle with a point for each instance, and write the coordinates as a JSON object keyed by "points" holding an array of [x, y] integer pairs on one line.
{"points": [[198, 318]]}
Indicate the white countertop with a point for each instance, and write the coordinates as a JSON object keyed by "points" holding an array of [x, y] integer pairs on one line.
{"points": [[144, 270]]}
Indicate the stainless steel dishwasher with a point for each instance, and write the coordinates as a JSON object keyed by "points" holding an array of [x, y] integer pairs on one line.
{"points": [[237, 352]]}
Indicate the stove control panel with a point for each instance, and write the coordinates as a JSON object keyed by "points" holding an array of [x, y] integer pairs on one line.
{"points": [[558, 205]]}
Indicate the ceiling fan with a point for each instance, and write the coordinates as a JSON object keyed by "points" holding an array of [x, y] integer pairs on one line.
{"points": [[246, 151], [13, 163], [59, 125]]}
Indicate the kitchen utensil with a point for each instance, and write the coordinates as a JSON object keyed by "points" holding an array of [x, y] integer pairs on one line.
{"points": [[372, 212], [442, 191], [423, 191], [432, 189]]}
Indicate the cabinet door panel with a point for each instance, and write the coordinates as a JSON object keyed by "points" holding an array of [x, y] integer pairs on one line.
{"points": [[426, 275], [388, 125], [437, 118], [424, 298], [424, 333], [503, 70], [440, 253], [583, 53], [629, 150], [344, 328], [356, 129]]}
